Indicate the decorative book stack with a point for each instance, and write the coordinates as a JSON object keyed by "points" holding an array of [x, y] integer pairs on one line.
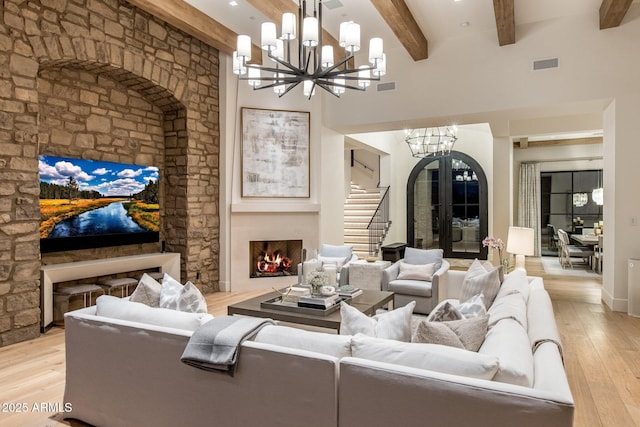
{"points": [[319, 302], [349, 293]]}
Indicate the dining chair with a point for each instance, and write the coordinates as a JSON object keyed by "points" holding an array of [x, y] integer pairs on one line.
{"points": [[568, 251], [598, 254], [553, 237]]}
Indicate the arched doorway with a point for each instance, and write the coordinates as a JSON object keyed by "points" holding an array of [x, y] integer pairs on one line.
{"points": [[447, 206]]}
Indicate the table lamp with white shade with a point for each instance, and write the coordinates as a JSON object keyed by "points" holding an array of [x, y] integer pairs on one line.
{"points": [[520, 242]]}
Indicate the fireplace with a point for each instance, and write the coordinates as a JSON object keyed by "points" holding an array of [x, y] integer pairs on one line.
{"points": [[274, 258]]}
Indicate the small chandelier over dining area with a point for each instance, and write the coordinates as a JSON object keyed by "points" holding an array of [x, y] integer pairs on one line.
{"points": [[580, 199], [437, 141], [315, 64]]}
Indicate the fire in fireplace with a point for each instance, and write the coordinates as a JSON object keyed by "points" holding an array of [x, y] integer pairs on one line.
{"points": [[273, 258]]}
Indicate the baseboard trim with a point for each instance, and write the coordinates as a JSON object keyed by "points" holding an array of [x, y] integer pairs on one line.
{"points": [[615, 304]]}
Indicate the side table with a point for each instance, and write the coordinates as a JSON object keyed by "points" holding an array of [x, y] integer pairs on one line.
{"points": [[367, 275]]}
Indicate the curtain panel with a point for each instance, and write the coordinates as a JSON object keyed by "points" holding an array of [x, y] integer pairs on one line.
{"points": [[529, 201]]}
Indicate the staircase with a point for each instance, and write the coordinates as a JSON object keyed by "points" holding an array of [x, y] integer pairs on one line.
{"points": [[359, 209]]}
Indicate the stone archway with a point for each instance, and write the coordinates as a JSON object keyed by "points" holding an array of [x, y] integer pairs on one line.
{"points": [[110, 40]]}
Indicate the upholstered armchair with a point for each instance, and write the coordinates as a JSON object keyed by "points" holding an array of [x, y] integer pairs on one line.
{"points": [[340, 255], [421, 276]]}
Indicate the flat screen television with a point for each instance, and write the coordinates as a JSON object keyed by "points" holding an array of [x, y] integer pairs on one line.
{"points": [[91, 204]]}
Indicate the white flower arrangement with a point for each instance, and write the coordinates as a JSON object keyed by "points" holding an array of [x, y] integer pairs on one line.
{"points": [[316, 280]]}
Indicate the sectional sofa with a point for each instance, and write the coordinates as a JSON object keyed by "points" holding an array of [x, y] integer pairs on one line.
{"points": [[127, 372]]}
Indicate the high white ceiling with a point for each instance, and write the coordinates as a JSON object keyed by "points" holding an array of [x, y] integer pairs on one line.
{"points": [[439, 19]]}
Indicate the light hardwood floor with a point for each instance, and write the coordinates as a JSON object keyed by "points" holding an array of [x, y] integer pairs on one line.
{"points": [[602, 359]]}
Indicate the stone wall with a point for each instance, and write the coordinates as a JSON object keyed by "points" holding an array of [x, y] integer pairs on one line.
{"points": [[100, 79], [90, 116]]}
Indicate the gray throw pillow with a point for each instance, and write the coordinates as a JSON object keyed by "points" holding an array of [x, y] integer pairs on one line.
{"points": [[478, 280], [466, 333], [147, 292], [422, 272], [444, 312], [488, 267]]}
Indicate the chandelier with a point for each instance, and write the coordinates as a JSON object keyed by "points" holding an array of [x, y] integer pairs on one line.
{"points": [[580, 199], [598, 193], [315, 63], [431, 141], [598, 196]]}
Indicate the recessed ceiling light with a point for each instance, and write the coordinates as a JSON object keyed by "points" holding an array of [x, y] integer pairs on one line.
{"points": [[465, 24], [235, 3]]}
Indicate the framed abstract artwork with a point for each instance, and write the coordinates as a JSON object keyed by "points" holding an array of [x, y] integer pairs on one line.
{"points": [[275, 153]]}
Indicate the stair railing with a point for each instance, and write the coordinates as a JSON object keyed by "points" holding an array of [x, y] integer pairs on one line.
{"points": [[378, 225]]}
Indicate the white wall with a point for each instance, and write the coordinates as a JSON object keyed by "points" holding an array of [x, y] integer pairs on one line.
{"points": [[332, 188], [366, 169]]}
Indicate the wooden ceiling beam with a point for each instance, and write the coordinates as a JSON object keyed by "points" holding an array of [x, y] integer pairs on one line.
{"points": [[505, 21], [192, 21], [397, 15], [612, 12], [273, 9]]}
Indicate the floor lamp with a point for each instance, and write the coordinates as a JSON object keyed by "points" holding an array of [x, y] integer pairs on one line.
{"points": [[520, 241]]}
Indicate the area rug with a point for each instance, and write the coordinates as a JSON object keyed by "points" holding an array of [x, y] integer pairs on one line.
{"points": [[552, 266]]}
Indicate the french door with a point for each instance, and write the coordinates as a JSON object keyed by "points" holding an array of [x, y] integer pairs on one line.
{"points": [[447, 206]]}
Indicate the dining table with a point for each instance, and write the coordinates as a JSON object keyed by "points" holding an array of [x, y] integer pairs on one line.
{"points": [[585, 239], [590, 241]]}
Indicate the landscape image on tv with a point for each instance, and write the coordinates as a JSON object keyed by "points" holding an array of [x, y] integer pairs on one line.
{"points": [[90, 203]]}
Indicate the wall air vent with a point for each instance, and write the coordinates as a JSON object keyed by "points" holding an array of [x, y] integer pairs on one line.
{"points": [[386, 86], [332, 4], [543, 64]]}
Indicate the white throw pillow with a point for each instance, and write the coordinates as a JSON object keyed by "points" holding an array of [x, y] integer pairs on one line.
{"points": [[473, 307], [394, 325], [434, 357], [118, 308], [508, 341], [478, 280], [147, 292], [330, 344], [422, 272], [182, 298]]}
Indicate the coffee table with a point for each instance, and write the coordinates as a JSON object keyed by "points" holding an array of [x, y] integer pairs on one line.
{"points": [[367, 303]]}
